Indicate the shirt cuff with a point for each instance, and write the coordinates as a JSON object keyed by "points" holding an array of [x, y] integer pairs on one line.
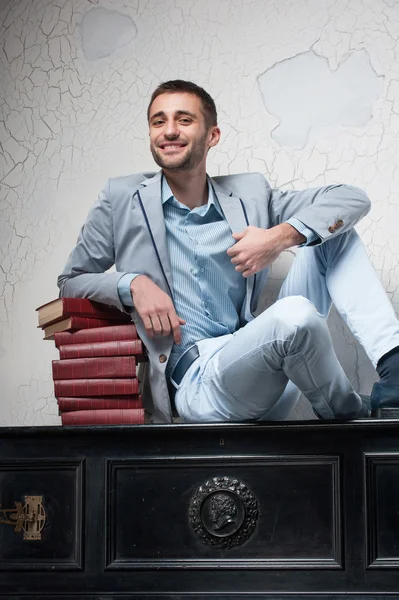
{"points": [[310, 235], [124, 292]]}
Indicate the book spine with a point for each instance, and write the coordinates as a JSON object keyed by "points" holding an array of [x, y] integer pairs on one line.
{"points": [[71, 324], [132, 416], [89, 323], [83, 307], [95, 368], [102, 334], [117, 348], [73, 404], [80, 307], [95, 387]]}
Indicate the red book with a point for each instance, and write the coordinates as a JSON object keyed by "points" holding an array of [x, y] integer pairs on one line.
{"points": [[95, 387], [77, 307], [102, 334], [72, 323], [117, 348], [95, 368], [73, 404], [130, 416]]}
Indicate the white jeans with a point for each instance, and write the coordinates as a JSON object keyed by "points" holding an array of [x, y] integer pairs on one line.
{"points": [[258, 372]]}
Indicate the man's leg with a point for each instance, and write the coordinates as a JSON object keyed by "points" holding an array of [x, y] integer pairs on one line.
{"points": [[245, 379], [341, 269]]}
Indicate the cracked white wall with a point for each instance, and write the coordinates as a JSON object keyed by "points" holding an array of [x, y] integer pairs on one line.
{"points": [[75, 80]]}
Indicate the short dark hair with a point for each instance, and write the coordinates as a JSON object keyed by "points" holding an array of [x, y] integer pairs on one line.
{"points": [[178, 85]]}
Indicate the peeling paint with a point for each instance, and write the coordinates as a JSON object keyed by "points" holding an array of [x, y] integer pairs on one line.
{"points": [[305, 94]]}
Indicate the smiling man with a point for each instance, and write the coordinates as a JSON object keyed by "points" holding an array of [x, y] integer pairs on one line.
{"points": [[192, 254]]}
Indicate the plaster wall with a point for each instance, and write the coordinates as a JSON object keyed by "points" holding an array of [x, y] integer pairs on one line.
{"points": [[307, 93]]}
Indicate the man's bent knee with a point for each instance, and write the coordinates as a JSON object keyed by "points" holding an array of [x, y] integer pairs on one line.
{"points": [[298, 312]]}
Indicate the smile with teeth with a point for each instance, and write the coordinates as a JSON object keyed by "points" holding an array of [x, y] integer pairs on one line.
{"points": [[172, 146]]}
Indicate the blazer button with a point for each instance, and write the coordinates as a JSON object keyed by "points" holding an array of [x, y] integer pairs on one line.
{"points": [[339, 223], [163, 358], [331, 229]]}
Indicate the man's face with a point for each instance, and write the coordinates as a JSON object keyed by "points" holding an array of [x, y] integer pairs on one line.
{"points": [[179, 137]]}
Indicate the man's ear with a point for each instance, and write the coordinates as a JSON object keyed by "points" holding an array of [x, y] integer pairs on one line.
{"points": [[216, 133]]}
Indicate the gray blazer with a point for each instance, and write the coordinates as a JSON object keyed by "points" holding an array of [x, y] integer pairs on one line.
{"points": [[126, 228]]}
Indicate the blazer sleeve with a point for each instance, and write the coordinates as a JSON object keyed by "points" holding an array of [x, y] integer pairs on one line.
{"points": [[84, 273], [328, 211]]}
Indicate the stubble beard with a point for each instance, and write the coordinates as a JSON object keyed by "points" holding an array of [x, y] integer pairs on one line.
{"points": [[187, 162]]}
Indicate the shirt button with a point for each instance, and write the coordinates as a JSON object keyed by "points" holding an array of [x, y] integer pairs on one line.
{"points": [[202, 270], [163, 358]]}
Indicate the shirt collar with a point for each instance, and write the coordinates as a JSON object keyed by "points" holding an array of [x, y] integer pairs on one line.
{"points": [[167, 194]]}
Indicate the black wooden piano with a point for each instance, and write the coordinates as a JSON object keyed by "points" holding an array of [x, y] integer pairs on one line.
{"points": [[295, 510]]}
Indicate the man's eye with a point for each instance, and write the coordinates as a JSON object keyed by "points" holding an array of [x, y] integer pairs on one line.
{"points": [[157, 123], [185, 121]]}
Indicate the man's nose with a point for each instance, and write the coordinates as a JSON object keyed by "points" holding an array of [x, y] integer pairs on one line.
{"points": [[171, 130]]}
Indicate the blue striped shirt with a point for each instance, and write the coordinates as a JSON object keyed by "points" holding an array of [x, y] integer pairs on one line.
{"points": [[207, 290]]}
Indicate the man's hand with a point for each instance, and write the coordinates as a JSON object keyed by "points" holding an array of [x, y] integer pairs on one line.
{"points": [[257, 248], [155, 308]]}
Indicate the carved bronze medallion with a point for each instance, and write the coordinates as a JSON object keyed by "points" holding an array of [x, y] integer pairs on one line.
{"points": [[223, 512]]}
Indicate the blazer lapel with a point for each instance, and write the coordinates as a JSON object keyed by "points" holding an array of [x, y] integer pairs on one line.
{"points": [[236, 215], [232, 209], [150, 194]]}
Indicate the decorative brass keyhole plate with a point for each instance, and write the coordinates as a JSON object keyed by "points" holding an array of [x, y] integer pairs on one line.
{"points": [[29, 518]]}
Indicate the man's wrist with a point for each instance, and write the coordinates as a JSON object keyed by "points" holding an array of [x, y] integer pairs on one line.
{"points": [[135, 283], [290, 236], [125, 295], [311, 236]]}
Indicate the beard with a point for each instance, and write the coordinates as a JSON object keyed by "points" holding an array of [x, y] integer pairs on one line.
{"points": [[185, 161]]}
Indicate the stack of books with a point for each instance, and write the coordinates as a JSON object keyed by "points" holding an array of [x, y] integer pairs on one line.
{"points": [[95, 378]]}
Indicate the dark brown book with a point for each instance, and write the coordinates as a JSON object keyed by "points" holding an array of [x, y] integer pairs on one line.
{"points": [[132, 416], [59, 309], [101, 334], [95, 387], [114, 348], [73, 404], [95, 368], [74, 323]]}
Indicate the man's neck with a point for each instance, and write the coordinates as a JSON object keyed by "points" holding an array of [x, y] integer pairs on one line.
{"points": [[190, 189]]}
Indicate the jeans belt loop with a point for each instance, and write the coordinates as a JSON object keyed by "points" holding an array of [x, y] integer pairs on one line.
{"points": [[183, 364]]}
